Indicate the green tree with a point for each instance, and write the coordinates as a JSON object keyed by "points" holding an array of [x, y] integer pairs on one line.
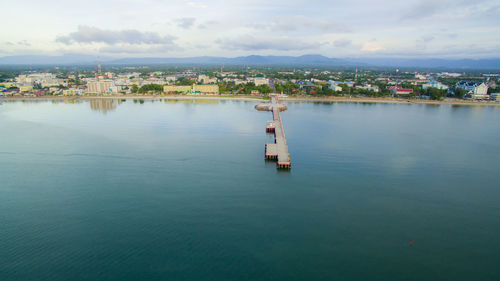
{"points": [[150, 88], [460, 93], [183, 81], [435, 94], [134, 89]]}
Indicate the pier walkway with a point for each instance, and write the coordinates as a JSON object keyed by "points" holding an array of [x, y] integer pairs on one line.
{"points": [[279, 149]]}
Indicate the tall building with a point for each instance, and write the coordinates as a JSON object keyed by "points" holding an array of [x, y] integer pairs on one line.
{"points": [[101, 87]]}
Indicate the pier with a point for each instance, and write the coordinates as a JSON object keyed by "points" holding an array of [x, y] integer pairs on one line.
{"points": [[279, 149]]}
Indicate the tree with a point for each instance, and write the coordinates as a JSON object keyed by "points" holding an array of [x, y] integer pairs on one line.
{"points": [[134, 89], [435, 94], [460, 93], [345, 88], [183, 81], [151, 88]]}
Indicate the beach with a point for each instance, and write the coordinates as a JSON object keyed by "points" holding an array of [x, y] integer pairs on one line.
{"points": [[258, 98]]}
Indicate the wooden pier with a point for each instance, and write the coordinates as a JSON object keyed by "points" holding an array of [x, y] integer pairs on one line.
{"points": [[279, 149]]}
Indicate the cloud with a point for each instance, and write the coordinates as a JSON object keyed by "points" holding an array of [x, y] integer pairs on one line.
{"points": [[454, 8], [251, 43], [197, 5], [24, 43], [421, 44], [342, 43], [372, 47], [424, 9], [88, 34], [138, 49], [185, 23], [298, 23], [208, 24]]}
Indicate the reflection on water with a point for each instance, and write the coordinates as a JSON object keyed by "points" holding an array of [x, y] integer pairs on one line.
{"points": [[108, 105], [63, 101], [193, 101], [104, 105]]}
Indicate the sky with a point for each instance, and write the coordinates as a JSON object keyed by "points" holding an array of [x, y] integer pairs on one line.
{"points": [[230, 28]]}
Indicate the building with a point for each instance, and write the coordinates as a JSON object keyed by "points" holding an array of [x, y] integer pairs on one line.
{"points": [[25, 88], [420, 76], [399, 90], [448, 74], [495, 96], [206, 89], [158, 81], [434, 84], [235, 80], [477, 90], [177, 89], [72, 92], [207, 80], [7, 84], [336, 88], [349, 84], [307, 85], [101, 87], [194, 89], [368, 87], [258, 81], [170, 78], [43, 79]]}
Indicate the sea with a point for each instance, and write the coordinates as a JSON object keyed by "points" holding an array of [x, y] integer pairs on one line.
{"points": [[178, 189]]}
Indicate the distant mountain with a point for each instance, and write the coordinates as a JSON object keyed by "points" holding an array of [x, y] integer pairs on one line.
{"points": [[305, 60]]}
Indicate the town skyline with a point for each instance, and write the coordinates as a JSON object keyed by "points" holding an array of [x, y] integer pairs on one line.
{"points": [[387, 29]]}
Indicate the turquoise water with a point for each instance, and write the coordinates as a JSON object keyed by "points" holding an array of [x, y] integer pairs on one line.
{"points": [[166, 190]]}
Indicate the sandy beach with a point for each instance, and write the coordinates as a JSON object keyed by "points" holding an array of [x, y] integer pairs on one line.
{"points": [[254, 98]]}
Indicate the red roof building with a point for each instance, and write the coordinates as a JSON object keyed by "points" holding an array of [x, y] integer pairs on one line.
{"points": [[399, 90]]}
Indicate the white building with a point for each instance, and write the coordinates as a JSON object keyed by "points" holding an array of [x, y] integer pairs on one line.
{"points": [[420, 76], [235, 80], [44, 79], [204, 79], [368, 87], [258, 81], [336, 88], [435, 84], [158, 81], [478, 90], [170, 78], [448, 74]]}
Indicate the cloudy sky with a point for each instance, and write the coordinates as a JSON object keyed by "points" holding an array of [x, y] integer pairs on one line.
{"points": [[182, 28]]}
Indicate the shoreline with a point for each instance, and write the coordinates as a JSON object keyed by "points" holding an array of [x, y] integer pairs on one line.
{"points": [[391, 100], [253, 98]]}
